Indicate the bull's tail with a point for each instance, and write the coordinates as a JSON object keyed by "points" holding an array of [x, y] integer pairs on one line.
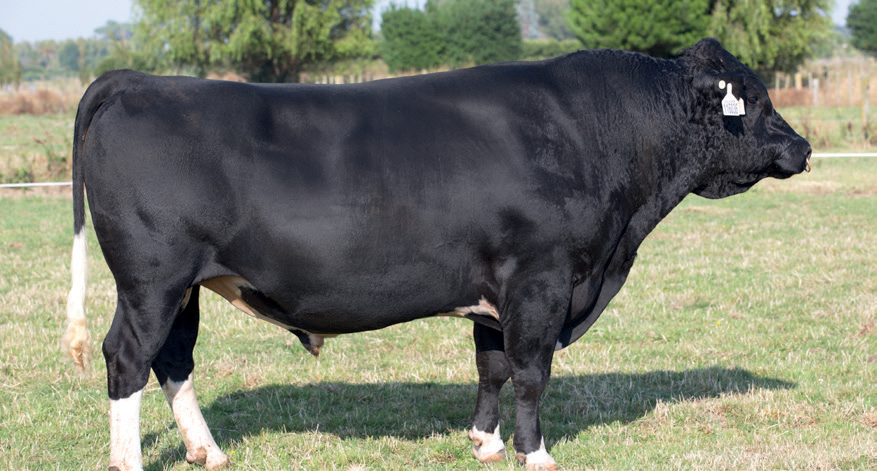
{"points": [[76, 341]]}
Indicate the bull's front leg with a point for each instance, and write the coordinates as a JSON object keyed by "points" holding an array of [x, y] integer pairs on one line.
{"points": [[534, 318], [530, 379], [493, 372]]}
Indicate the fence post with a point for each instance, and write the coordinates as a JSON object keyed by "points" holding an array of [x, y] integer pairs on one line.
{"points": [[866, 104], [850, 86]]}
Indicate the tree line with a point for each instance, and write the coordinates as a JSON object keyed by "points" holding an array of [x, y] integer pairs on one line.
{"points": [[278, 40], [27, 61]]}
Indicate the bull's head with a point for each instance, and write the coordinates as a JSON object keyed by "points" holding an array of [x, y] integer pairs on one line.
{"points": [[750, 140]]}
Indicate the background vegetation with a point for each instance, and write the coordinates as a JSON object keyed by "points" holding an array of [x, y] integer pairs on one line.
{"points": [[862, 22], [266, 41], [450, 32], [83, 58], [656, 27], [288, 40]]}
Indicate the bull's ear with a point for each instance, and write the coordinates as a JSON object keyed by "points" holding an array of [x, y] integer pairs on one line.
{"points": [[709, 57], [708, 48], [710, 64]]}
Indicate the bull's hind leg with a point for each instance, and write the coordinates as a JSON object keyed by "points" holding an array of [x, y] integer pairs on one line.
{"points": [[173, 367], [140, 326], [493, 372], [143, 321]]}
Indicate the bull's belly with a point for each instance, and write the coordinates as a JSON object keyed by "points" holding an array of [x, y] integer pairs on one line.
{"points": [[318, 317]]}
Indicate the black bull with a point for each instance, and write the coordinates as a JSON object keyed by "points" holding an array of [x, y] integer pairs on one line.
{"points": [[515, 195]]}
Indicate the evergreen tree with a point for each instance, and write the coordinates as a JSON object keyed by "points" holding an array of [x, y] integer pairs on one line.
{"points": [[452, 32], [770, 35], [862, 22], [266, 41], [412, 40], [659, 28], [766, 35], [478, 31]]}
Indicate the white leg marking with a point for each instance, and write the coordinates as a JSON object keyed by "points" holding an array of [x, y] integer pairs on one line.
{"points": [[538, 460], [125, 433], [489, 447], [200, 446], [76, 341]]}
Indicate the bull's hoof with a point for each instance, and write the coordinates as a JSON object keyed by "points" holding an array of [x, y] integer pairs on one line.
{"points": [[210, 459], [538, 460], [122, 467], [220, 462], [198, 456], [488, 458], [531, 465], [489, 447], [117, 465]]}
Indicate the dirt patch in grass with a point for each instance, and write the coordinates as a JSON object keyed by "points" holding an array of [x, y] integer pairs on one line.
{"points": [[870, 419], [867, 329]]}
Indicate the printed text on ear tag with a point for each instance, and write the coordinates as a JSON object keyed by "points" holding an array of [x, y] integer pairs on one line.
{"points": [[730, 105]]}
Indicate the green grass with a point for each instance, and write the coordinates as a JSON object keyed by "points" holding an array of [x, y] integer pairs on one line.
{"points": [[830, 129], [35, 148], [745, 338]]}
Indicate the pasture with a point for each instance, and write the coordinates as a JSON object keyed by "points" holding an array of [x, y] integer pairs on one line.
{"points": [[745, 338]]}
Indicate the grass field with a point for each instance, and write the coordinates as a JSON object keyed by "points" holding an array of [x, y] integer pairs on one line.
{"points": [[834, 128], [35, 148], [745, 338]]}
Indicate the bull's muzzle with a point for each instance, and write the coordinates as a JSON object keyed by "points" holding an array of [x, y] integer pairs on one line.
{"points": [[794, 160]]}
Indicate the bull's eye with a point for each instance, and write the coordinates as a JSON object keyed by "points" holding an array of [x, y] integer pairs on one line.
{"points": [[752, 99]]}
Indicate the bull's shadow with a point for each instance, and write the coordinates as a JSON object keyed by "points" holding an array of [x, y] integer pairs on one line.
{"points": [[418, 410]]}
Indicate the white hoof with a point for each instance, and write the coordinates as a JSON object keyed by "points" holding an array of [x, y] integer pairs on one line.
{"points": [[538, 460], [123, 467], [211, 458], [489, 447]]}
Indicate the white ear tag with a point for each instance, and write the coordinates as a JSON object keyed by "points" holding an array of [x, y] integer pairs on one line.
{"points": [[730, 105]]}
